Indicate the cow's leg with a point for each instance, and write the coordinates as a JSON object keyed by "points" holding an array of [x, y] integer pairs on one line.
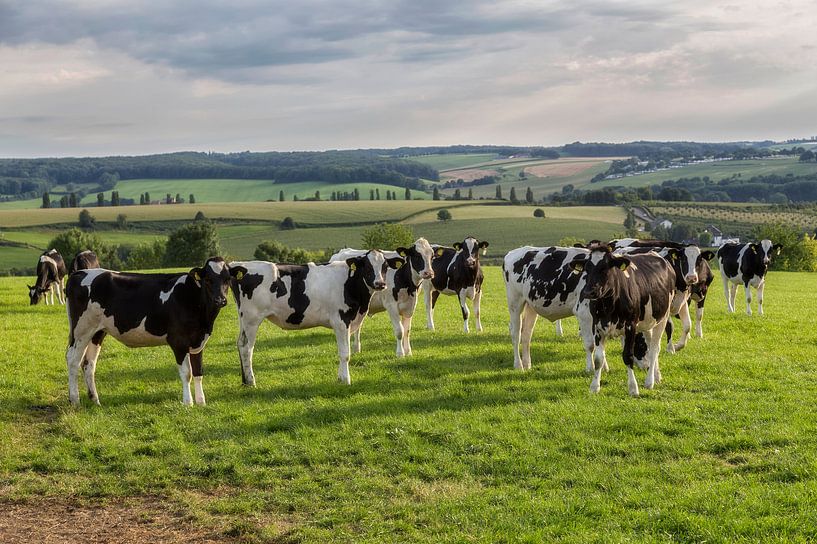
{"points": [[586, 333], [748, 289], [760, 288], [733, 293], [431, 300], [198, 372], [73, 358], [466, 313], [357, 347], [399, 333], [628, 354], [559, 331], [89, 365], [406, 334], [342, 336], [477, 300], [50, 295], [699, 318], [726, 291], [183, 360], [248, 329], [515, 308], [61, 292], [599, 363], [686, 327], [654, 343], [529, 317]]}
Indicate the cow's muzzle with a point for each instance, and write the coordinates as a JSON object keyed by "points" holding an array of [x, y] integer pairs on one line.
{"points": [[427, 274], [379, 285], [221, 302], [691, 278], [471, 262]]}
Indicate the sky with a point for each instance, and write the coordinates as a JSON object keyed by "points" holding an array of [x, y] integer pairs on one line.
{"points": [[103, 77]]}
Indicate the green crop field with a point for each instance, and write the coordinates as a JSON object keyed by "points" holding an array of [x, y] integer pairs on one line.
{"points": [[450, 445], [717, 171], [446, 161]]}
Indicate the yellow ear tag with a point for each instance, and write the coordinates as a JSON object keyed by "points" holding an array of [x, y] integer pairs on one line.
{"points": [[196, 276], [673, 256], [778, 251], [239, 275], [623, 266], [353, 267], [754, 250], [440, 251], [399, 264], [402, 253]]}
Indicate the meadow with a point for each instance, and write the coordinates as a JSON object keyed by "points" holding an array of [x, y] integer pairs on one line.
{"points": [[450, 445]]}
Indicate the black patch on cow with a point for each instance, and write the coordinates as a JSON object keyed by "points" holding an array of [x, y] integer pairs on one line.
{"points": [[84, 260], [356, 296], [249, 282], [402, 280], [298, 300]]}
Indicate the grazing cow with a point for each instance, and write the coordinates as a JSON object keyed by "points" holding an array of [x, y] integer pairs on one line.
{"points": [[334, 295], [746, 264], [456, 272], [50, 272], [539, 281], [84, 260], [624, 295], [145, 310], [687, 260], [399, 298]]}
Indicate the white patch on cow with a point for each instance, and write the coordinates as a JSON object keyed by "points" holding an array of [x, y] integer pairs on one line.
{"points": [[90, 276], [164, 296], [692, 254], [137, 337], [216, 266], [198, 391]]}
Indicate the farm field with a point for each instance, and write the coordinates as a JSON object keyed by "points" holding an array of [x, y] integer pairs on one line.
{"points": [[446, 161], [734, 219], [449, 445]]}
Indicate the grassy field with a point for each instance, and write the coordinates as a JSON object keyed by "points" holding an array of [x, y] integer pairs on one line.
{"points": [[454, 160], [241, 190], [451, 445]]}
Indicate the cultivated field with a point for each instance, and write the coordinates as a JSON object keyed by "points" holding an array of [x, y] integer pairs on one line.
{"points": [[451, 445]]}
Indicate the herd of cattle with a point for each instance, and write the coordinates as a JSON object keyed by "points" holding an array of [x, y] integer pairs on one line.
{"points": [[628, 288]]}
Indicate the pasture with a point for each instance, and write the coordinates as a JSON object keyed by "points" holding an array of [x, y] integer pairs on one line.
{"points": [[451, 445]]}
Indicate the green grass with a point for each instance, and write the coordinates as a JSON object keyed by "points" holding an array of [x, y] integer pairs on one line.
{"points": [[451, 445], [717, 171], [447, 161], [240, 190]]}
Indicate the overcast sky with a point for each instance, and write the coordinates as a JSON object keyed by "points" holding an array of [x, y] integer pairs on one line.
{"points": [[96, 77]]}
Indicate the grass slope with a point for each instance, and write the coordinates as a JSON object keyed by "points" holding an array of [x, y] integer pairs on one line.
{"points": [[447, 161], [451, 445]]}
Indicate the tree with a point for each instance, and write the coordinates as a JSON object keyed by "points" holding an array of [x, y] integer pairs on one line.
{"points": [[122, 221], [457, 194], [72, 241], [281, 196], [168, 199], [388, 195], [192, 244], [288, 223], [72, 200], [199, 216], [435, 195], [529, 196], [444, 215], [704, 239], [46, 200], [276, 252], [513, 198], [142, 199], [807, 156], [147, 197], [148, 255], [567, 189], [64, 201], [408, 193], [317, 195], [470, 194], [498, 195], [357, 194], [192, 198], [377, 193], [539, 212], [114, 198], [100, 199], [387, 236], [86, 220], [178, 198], [371, 194], [630, 224]]}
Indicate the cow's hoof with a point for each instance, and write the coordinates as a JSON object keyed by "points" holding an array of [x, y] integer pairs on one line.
{"points": [[346, 380], [595, 387]]}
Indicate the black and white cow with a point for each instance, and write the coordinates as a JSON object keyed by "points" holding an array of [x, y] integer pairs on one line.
{"points": [[746, 264], [624, 295], [50, 272], [698, 292], [84, 260], [399, 298], [539, 281], [145, 310], [334, 295], [687, 261], [456, 272]]}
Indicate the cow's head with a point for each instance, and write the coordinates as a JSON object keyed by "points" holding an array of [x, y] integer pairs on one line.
{"points": [[35, 293], [765, 250], [686, 260], [603, 271], [213, 279], [419, 258], [470, 249], [371, 268]]}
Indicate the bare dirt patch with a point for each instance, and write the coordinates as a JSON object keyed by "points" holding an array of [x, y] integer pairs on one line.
{"points": [[469, 174], [559, 168], [52, 521]]}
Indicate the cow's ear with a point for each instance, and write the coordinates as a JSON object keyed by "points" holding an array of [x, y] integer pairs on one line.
{"points": [[237, 272], [579, 245], [777, 248], [622, 263], [401, 251], [672, 254], [753, 247], [708, 255], [577, 265], [457, 246], [196, 274], [611, 246], [483, 244], [395, 262], [30, 287], [352, 263], [440, 252]]}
